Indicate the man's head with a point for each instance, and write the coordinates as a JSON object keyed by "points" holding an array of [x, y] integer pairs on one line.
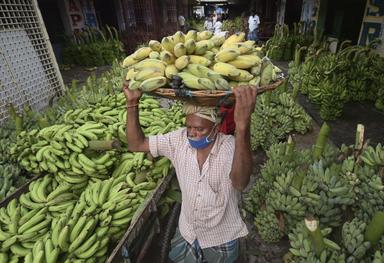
{"points": [[202, 122]]}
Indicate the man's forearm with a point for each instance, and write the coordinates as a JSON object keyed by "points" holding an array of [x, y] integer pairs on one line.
{"points": [[135, 136], [242, 160]]}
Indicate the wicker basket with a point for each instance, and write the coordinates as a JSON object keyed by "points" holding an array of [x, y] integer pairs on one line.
{"points": [[207, 97]]}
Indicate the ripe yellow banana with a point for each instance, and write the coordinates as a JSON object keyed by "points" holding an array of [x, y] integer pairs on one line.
{"points": [[266, 72], [154, 55], [194, 82], [142, 53], [171, 70], [148, 73], [241, 47], [203, 72], [226, 55], [244, 76], [133, 84], [154, 63], [191, 34], [255, 81], [255, 70], [167, 44], [131, 74], [209, 43], [155, 45], [178, 37], [235, 38], [222, 84], [226, 69], [209, 55], [129, 61], [218, 40], [153, 83], [201, 48], [243, 62], [167, 57], [204, 35], [194, 59], [182, 62], [190, 45], [180, 50]]}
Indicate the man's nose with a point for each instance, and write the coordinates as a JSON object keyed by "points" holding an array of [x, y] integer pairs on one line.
{"points": [[192, 132]]}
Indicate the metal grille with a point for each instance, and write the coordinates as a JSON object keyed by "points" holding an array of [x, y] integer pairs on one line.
{"points": [[28, 69]]}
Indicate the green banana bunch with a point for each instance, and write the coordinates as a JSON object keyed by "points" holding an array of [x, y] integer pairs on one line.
{"points": [[303, 250], [276, 115], [267, 225], [373, 156], [378, 257], [353, 240], [370, 197], [10, 179]]}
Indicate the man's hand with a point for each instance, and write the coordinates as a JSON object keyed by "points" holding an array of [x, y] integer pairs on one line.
{"points": [[132, 96], [245, 105]]}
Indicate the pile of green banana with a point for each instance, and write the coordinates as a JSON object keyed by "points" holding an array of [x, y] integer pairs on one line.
{"points": [[202, 60], [283, 42], [171, 196], [353, 73], [10, 179], [69, 225], [267, 225], [76, 221], [93, 186], [331, 186], [277, 115], [11, 176], [307, 246]]}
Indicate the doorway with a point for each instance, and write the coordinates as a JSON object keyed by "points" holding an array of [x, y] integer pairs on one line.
{"points": [[292, 12], [344, 18]]}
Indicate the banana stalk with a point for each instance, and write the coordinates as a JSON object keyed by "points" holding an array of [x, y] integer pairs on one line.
{"points": [[375, 229], [315, 234], [321, 141], [104, 145]]}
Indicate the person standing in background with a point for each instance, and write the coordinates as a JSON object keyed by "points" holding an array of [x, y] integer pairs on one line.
{"points": [[214, 18], [253, 25], [217, 26], [181, 21], [208, 24]]}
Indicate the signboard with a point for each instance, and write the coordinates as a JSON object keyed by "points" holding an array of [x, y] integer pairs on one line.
{"points": [[81, 14], [373, 24]]}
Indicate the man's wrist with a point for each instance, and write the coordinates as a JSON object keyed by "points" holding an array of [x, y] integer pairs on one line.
{"points": [[242, 129], [132, 104]]}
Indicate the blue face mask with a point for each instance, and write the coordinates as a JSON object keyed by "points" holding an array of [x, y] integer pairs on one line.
{"points": [[201, 143]]}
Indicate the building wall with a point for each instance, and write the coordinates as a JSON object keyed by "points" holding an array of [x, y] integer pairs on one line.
{"points": [[373, 24]]}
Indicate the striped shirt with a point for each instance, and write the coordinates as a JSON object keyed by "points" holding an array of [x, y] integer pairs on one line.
{"points": [[209, 209]]}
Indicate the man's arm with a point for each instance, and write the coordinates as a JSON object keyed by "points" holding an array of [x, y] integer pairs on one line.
{"points": [[137, 142], [242, 160]]}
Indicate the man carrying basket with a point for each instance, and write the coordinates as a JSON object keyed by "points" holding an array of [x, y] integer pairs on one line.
{"points": [[212, 169]]}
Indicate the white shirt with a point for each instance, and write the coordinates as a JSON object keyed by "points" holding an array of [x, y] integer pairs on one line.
{"points": [[181, 20], [253, 22], [217, 27], [208, 25], [209, 208]]}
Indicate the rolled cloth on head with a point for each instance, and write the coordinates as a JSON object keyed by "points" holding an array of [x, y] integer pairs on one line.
{"points": [[209, 113]]}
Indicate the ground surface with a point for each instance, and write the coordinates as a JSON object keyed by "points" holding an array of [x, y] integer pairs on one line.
{"points": [[253, 249]]}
